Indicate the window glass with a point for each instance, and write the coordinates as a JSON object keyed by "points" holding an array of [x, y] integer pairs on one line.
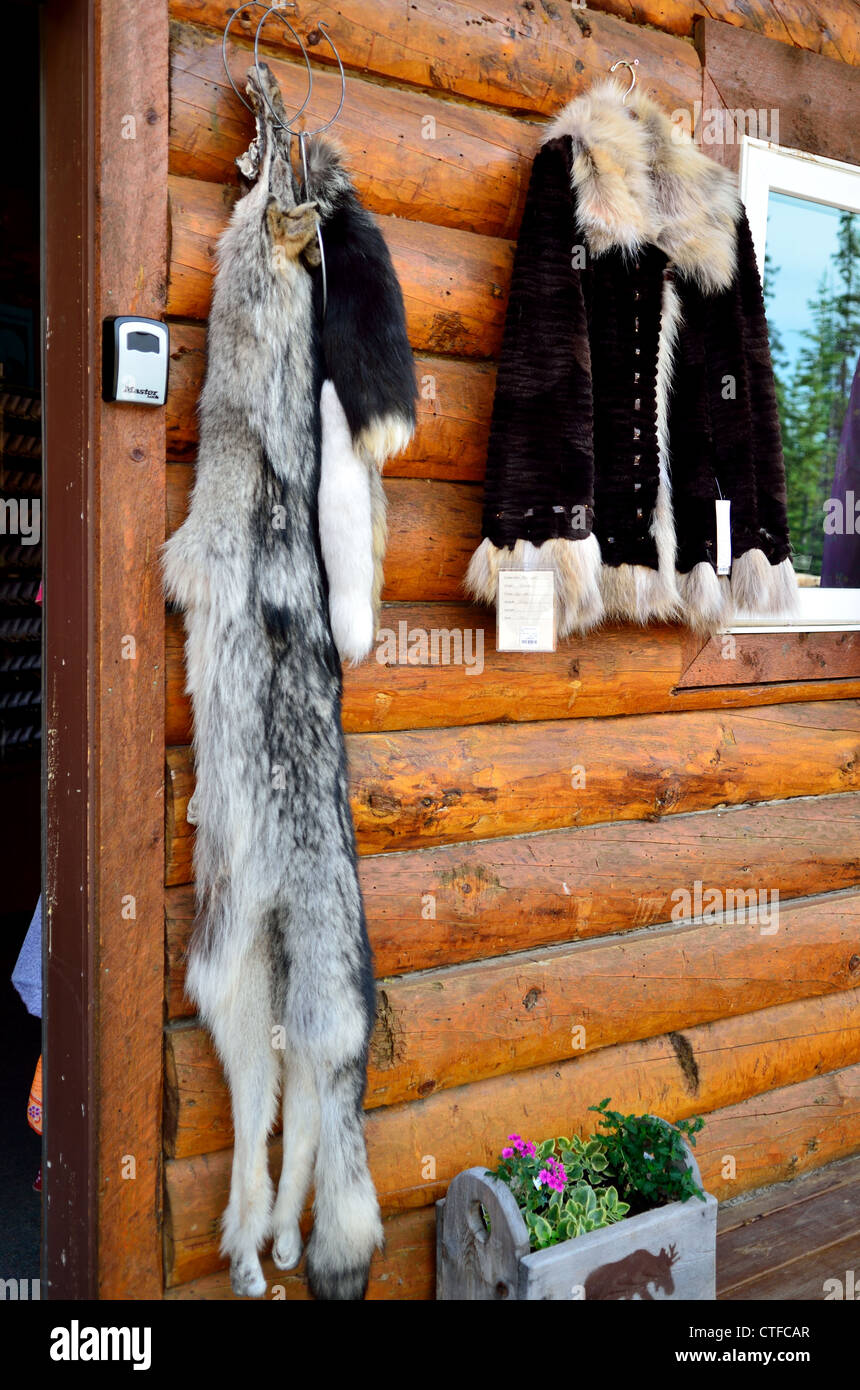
{"points": [[812, 294]]}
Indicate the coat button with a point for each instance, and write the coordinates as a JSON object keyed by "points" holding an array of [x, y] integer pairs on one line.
{"points": [[637, 404], [636, 460], [636, 434], [635, 376], [638, 351], [637, 487], [639, 513]]}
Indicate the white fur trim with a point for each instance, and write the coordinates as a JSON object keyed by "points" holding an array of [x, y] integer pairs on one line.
{"points": [[576, 565], [382, 438], [662, 520], [760, 587], [706, 597], [346, 533], [639, 594]]}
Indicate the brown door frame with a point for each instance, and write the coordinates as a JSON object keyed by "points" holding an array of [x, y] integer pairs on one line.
{"points": [[104, 251]]}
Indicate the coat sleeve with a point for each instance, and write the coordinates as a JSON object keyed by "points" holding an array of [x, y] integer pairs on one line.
{"points": [[767, 456], [746, 438], [540, 461]]}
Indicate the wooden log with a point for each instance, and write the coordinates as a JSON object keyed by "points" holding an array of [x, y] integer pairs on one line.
{"points": [[455, 284], [433, 527], [816, 100], [454, 404], [184, 382], [830, 28], [414, 789], [411, 790], [455, 1026], [409, 155], [429, 908], [783, 656], [628, 670], [742, 1063], [405, 1270], [526, 59]]}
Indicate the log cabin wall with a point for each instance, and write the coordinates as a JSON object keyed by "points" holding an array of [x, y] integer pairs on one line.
{"points": [[528, 956]]}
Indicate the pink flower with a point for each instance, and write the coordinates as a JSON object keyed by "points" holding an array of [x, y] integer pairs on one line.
{"points": [[554, 1174], [530, 1149], [507, 1153]]}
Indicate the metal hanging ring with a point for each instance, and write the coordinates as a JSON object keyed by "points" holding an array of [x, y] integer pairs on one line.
{"points": [[323, 28], [277, 9], [257, 4], [625, 63], [251, 4]]}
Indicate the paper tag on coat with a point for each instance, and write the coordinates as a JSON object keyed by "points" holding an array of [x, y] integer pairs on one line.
{"points": [[724, 535], [525, 611]]}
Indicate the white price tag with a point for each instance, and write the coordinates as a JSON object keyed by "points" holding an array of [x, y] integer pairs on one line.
{"points": [[724, 535], [525, 611]]}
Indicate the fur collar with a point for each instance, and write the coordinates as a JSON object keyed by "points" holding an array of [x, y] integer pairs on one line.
{"points": [[639, 179]]}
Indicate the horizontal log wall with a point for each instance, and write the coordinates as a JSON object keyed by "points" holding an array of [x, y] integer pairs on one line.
{"points": [[538, 835], [467, 902], [444, 1028], [419, 788]]}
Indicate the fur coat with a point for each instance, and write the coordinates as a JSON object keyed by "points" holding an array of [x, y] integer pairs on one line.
{"points": [[635, 384], [278, 569]]}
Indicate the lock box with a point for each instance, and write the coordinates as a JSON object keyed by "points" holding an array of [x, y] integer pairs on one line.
{"points": [[135, 356]]}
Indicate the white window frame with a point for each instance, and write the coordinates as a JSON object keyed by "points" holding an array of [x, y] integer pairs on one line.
{"points": [[765, 168]]}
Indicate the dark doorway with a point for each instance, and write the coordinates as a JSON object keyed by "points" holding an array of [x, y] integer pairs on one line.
{"points": [[20, 649]]}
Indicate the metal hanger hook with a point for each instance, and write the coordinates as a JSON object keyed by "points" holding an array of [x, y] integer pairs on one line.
{"points": [[626, 63], [279, 11], [323, 29], [257, 4]]}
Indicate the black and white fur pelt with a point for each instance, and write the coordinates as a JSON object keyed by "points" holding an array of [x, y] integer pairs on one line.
{"points": [[296, 420]]}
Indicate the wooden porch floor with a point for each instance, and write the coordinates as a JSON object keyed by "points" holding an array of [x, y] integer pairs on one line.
{"points": [[785, 1242]]}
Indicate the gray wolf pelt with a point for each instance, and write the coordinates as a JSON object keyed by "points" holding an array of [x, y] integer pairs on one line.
{"points": [[266, 565]]}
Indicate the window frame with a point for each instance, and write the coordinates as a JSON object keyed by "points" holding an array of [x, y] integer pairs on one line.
{"points": [[767, 167]]}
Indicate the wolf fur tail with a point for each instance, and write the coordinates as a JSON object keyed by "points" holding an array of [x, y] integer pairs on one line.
{"points": [[280, 964]]}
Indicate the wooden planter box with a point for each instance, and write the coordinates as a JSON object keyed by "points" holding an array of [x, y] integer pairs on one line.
{"points": [[669, 1252]]}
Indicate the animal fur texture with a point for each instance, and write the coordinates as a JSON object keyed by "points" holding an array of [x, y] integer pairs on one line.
{"points": [[280, 964], [635, 300]]}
